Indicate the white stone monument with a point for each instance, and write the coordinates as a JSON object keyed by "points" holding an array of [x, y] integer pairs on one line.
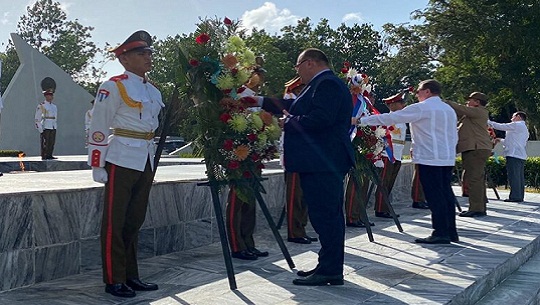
{"points": [[24, 93]]}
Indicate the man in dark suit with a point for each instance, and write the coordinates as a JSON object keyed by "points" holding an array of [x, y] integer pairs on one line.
{"points": [[318, 147]]}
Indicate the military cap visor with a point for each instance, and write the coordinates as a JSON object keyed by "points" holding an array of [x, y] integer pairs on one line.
{"points": [[394, 99], [293, 83], [48, 92], [137, 40]]}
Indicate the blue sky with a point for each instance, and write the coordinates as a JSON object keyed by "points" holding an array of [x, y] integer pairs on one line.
{"points": [[115, 20]]}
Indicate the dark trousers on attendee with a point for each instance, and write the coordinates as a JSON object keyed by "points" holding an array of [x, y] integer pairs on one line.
{"points": [[126, 199], [417, 193], [515, 169], [474, 175], [240, 218], [436, 182], [355, 199], [47, 137], [388, 178], [297, 213], [323, 194]]}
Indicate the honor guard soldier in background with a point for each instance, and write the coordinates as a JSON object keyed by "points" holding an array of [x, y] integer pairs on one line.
{"points": [[391, 169], [87, 121], [297, 215], [121, 152], [45, 120]]}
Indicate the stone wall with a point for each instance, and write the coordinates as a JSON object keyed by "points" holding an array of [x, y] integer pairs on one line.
{"points": [[52, 234]]}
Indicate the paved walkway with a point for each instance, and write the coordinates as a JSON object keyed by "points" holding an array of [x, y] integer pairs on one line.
{"points": [[391, 270]]}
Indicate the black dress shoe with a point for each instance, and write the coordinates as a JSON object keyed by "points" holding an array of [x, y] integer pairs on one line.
{"points": [[384, 215], [137, 284], [306, 273], [299, 240], [319, 280], [472, 214], [433, 240], [257, 252], [512, 200], [359, 224], [312, 238], [120, 290], [245, 255], [420, 205]]}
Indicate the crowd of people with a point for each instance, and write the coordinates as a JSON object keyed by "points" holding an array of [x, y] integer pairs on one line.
{"points": [[317, 154]]}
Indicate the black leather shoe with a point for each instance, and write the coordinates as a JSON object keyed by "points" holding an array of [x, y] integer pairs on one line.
{"points": [[299, 240], [257, 252], [433, 240], [306, 273], [313, 239], [245, 255], [359, 224], [384, 215], [319, 280], [512, 200], [137, 284], [120, 290], [420, 205], [472, 214]]}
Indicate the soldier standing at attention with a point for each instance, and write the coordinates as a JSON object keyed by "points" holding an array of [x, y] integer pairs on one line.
{"points": [[46, 115], [121, 152]]}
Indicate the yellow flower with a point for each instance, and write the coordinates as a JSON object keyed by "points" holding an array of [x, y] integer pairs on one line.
{"points": [[241, 152], [256, 121], [225, 81], [273, 132]]}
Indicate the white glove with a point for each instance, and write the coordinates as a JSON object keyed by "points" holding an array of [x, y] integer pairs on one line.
{"points": [[99, 174], [39, 127]]}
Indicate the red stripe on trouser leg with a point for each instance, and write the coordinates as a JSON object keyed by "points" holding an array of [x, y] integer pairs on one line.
{"points": [[108, 243], [379, 201], [290, 206], [350, 203], [232, 214]]}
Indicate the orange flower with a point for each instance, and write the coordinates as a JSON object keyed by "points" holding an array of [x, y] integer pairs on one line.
{"points": [[241, 152], [230, 61], [266, 117]]}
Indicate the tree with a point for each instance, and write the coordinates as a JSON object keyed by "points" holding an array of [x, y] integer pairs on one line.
{"points": [[67, 43]]}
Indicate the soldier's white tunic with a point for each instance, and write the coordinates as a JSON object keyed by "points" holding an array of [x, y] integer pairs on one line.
{"points": [[46, 115], [112, 112]]}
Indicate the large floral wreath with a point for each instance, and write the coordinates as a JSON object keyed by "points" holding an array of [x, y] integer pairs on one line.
{"points": [[235, 136]]}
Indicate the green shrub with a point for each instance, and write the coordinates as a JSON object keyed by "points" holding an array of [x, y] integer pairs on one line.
{"points": [[11, 153], [496, 171]]}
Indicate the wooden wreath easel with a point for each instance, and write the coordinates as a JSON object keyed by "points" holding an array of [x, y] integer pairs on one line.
{"points": [[257, 188]]}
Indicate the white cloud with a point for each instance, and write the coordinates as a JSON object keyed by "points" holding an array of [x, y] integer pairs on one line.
{"points": [[269, 18], [353, 18], [5, 18]]}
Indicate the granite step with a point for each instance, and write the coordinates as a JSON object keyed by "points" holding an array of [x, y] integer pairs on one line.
{"points": [[521, 287]]}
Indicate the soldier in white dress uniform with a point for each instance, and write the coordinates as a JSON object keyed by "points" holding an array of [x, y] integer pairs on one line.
{"points": [[121, 152], [45, 122]]}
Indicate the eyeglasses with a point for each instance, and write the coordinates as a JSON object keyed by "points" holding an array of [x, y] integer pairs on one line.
{"points": [[300, 63]]}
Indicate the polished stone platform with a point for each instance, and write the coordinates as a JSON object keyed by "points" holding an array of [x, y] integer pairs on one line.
{"points": [[392, 270]]}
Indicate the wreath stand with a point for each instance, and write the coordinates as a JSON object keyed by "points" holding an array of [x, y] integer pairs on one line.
{"points": [[375, 181], [257, 188]]}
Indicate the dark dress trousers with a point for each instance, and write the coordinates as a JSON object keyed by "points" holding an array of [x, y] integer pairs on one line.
{"points": [[318, 147]]}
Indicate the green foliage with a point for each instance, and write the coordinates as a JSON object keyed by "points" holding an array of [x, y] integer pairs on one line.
{"points": [[11, 153], [496, 171]]}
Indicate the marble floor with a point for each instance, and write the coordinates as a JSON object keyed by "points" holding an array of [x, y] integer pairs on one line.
{"points": [[391, 270]]}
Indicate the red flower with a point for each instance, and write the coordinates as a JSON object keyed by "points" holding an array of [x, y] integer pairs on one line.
{"points": [[233, 164], [360, 133], [193, 62], [252, 137], [246, 174], [373, 128], [255, 157], [225, 117], [227, 21], [346, 64], [391, 128], [344, 70], [241, 89], [228, 144], [411, 89], [369, 156], [202, 39]]}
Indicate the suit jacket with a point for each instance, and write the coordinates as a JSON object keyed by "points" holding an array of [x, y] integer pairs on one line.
{"points": [[472, 127], [316, 135]]}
